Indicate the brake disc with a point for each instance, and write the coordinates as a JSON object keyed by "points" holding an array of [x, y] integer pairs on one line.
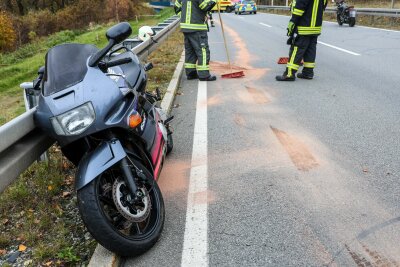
{"points": [[136, 212]]}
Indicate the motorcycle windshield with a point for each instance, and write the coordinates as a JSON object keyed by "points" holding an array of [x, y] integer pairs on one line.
{"points": [[66, 66]]}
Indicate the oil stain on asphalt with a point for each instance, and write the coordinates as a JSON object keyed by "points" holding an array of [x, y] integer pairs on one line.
{"points": [[297, 151]]}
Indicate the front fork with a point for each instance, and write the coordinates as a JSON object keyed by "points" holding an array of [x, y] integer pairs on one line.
{"points": [[129, 179]]}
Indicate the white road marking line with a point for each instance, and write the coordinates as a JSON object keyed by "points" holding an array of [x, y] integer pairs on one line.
{"points": [[325, 21], [195, 244], [240, 17], [269, 26], [340, 49], [380, 29], [273, 14], [366, 27]]}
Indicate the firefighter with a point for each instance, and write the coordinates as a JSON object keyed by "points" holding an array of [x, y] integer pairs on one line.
{"points": [[306, 22], [194, 26]]}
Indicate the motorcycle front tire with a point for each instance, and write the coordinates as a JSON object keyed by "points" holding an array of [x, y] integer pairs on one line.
{"points": [[339, 20], [100, 227], [352, 22]]}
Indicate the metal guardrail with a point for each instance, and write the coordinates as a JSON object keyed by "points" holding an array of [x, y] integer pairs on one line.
{"points": [[384, 12], [21, 143]]}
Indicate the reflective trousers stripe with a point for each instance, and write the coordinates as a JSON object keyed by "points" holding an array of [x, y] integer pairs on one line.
{"points": [[293, 66], [291, 62], [204, 59], [203, 67], [190, 66], [309, 65]]}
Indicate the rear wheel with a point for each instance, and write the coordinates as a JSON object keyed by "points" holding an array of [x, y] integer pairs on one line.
{"points": [[352, 22], [105, 205], [255, 12]]}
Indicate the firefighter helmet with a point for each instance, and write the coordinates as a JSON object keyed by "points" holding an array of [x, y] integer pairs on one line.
{"points": [[145, 33]]}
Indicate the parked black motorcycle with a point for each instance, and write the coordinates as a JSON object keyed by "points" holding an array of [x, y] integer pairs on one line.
{"points": [[93, 102], [345, 14]]}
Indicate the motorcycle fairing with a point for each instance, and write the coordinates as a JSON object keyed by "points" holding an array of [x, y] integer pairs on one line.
{"points": [[96, 162], [65, 66]]}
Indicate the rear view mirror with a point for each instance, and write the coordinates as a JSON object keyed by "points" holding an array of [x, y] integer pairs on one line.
{"points": [[119, 32], [41, 70]]}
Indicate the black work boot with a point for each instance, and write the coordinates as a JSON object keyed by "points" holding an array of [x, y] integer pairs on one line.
{"points": [[307, 74], [209, 78], [192, 76], [285, 78]]}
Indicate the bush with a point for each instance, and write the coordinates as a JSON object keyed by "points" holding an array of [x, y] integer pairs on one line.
{"points": [[7, 33], [76, 16], [60, 37]]}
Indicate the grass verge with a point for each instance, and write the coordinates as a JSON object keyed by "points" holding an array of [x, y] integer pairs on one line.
{"points": [[39, 220], [164, 61], [22, 65]]}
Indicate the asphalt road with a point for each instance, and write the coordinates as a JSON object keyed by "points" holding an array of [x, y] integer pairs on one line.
{"points": [[297, 174]]}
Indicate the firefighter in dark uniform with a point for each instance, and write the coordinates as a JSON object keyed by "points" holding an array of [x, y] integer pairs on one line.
{"points": [[194, 26], [306, 22]]}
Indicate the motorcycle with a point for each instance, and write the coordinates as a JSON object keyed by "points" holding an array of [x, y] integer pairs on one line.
{"points": [[345, 14], [95, 105]]}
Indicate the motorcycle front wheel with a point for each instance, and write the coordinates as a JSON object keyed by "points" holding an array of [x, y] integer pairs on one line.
{"points": [[127, 230], [339, 20]]}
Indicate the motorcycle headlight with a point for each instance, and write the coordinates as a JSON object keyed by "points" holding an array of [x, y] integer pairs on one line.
{"points": [[75, 121]]}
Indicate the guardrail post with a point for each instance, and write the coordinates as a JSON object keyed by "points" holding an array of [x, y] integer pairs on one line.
{"points": [[372, 20], [31, 99]]}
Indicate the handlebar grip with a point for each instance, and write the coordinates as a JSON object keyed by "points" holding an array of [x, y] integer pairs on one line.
{"points": [[117, 62]]}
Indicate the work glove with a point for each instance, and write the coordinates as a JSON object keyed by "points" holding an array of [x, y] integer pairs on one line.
{"points": [[290, 40], [290, 28]]}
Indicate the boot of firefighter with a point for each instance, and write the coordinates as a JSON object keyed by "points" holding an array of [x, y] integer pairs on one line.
{"points": [[307, 73], [288, 76]]}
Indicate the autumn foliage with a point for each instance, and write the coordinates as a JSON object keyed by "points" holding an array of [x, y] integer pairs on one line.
{"points": [[7, 33], [71, 15]]}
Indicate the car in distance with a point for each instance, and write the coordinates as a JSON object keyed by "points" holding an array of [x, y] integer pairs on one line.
{"points": [[245, 6]]}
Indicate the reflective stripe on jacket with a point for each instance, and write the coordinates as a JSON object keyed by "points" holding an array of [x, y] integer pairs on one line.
{"points": [[193, 14], [308, 16]]}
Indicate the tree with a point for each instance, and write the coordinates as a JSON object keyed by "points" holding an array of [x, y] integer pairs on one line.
{"points": [[7, 33]]}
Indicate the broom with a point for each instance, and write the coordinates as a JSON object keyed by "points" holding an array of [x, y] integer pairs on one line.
{"points": [[285, 60], [236, 74]]}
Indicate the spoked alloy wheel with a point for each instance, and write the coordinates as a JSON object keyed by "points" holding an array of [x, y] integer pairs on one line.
{"points": [[126, 227]]}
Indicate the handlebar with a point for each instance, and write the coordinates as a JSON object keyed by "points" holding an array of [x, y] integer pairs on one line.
{"points": [[117, 62], [105, 65]]}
